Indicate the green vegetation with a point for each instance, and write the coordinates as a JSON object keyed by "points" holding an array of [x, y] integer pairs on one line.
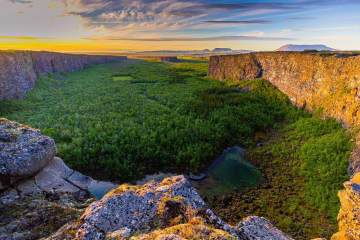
{"points": [[304, 163], [121, 121]]}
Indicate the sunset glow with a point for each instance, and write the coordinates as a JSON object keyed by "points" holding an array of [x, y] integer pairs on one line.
{"points": [[121, 25]]}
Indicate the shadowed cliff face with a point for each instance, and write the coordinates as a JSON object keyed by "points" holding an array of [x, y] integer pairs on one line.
{"points": [[19, 70], [329, 83]]}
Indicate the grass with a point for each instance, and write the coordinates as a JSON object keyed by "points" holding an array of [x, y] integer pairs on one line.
{"points": [[121, 121]]}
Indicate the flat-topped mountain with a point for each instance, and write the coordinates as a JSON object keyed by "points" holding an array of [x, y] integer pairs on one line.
{"points": [[300, 48]]}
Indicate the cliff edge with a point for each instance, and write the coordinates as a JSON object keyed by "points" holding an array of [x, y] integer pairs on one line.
{"points": [[19, 70], [318, 82], [323, 82]]}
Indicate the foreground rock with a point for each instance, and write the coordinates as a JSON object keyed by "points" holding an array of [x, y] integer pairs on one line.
{"points": [[28, 166], [35, 218], [170, 209], [349, 215], [23, 152]]}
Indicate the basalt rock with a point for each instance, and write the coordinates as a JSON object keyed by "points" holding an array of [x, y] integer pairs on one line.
{"points": [[315, 81], [349, 215], [19, 70], [259, 228], [28, 166], [23, 151], [170, 209]]}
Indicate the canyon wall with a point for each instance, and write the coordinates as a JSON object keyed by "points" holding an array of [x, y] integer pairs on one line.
{"points": [[19, 70], [315, 81], [311, 80]]}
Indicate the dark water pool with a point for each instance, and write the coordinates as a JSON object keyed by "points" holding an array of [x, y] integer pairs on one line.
{"points": [[100, 188], [229, 172]]}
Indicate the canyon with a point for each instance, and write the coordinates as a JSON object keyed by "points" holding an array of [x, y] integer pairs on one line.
{"points": [[20, 69], [323, 83]]}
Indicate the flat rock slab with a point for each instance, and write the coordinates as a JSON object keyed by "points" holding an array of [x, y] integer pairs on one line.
{"points": [[23, 151], [259, 228]]}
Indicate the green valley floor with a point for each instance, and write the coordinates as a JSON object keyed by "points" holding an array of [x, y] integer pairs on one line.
{"points": [[122, 121]]}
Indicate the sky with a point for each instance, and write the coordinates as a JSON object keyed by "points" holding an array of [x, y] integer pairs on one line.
{"points": [[139, 25]]}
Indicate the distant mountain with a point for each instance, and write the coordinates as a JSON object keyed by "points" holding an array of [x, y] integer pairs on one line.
{"points": [[300, 48], [222, 50], [204, 52]]}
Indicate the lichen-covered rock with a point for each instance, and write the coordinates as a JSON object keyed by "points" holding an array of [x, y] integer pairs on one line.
{"points": [[145, 208], [23, 151], [19, 70], [165, 210], [255, 228], [34, 217], [349, 215], [195, 229]]}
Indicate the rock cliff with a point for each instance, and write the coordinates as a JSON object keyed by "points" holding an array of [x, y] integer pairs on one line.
{"points": [[316, 81], [349, 215], [326, 82], [19, 70]]}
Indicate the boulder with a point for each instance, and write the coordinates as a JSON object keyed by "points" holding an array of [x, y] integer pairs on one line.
{"points": [[165, 210], [23, 151], [145, 208]]}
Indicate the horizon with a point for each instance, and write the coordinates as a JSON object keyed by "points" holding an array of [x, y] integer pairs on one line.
{"points": [[176, 25]]}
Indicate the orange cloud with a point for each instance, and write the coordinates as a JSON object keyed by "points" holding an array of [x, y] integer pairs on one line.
{"points": [[22, 38]]}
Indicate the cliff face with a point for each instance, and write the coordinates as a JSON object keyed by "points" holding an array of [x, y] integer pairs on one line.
{"points": [[312, 81], [330, 83], [19, 70], [349, 215]]}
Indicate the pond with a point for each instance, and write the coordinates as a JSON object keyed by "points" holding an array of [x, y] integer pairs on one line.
{"points": [[100, 188], [228, 173]]}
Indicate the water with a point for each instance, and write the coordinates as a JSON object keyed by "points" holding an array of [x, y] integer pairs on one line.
{"points": [[100, 188], [229, 172]]}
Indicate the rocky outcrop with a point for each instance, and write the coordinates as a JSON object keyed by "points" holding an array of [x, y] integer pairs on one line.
{"points": [[29, 166], [349, 215], [35, 218], [19, 70], [170, 209], [315, 81], [23, 152], [259, 228]]}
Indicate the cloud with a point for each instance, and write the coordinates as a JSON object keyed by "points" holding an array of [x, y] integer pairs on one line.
{"points": [[21, 1], [21, 38], [199, 9], [195, 39], [240, 22], [300, 18], [298, 5]]}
